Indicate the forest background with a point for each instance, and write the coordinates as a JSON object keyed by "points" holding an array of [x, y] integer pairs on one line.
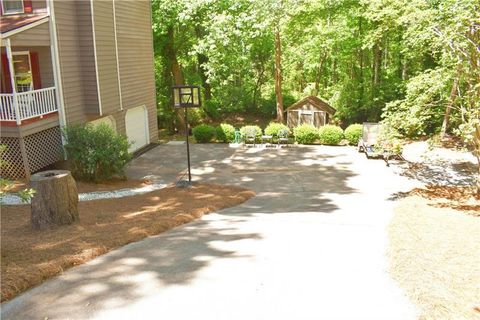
{"points": [[413, 64]]}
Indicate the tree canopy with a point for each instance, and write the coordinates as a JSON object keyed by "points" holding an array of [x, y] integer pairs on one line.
{"points": [[414, 64]]}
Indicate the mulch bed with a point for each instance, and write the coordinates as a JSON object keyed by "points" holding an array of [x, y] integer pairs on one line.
{"points": [[29, 257], [434, 255]]}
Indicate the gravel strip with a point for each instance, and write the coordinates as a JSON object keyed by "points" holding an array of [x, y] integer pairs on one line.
{"points": [[12, 199]]}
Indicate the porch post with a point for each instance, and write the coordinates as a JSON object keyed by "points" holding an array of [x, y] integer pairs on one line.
{"points": [[8, 48], [23, 151]]}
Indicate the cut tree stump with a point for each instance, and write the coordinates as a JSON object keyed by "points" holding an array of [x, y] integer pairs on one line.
{"points": [[55, 200]]}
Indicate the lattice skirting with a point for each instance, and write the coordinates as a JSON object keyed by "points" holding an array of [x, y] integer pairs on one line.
{"points": [[12, 162], [42, 149]]}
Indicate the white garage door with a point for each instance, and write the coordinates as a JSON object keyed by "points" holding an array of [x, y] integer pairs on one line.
{"points": [[136, 124]]}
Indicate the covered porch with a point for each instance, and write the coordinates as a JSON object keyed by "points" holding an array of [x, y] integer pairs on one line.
{"points": [[27, 90]]}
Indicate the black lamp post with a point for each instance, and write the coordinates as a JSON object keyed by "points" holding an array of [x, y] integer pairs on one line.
{"points": [[186, 97]]}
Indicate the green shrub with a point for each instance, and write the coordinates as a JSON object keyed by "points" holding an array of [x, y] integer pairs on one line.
{"points": [[330, 134], [245, 129], [196, 116], [203, 133], [305, 134], [97, 153], [225, 132], [274, 127], [353, 133]]}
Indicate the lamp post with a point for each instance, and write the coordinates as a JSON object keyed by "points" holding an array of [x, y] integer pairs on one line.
{"points": [[186, 97]]}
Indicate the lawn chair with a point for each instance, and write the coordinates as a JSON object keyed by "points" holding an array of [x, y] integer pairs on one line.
{"points": [[368, 144], [267, 139], [238, 137], [250, 136], [369, 139], [283, 137]]}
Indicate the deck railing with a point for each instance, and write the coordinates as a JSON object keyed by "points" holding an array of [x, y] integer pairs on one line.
{"points": [[27, 105]]}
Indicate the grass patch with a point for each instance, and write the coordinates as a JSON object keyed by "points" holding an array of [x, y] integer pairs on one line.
{"points": [[30, 257], [435, 256]]}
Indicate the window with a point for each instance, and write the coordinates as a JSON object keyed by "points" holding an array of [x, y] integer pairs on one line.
{"points": [[22, 71], [12, 6]]}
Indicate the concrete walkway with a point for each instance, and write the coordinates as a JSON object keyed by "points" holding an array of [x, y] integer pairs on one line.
{"points": [[310, 245]]}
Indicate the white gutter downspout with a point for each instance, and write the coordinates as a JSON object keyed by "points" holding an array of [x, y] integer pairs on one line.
{"points": [[57, 75], [96, 60], [8, 48]]}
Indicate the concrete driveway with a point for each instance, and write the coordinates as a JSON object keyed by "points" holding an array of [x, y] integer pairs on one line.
{"points": [[311, 245]]}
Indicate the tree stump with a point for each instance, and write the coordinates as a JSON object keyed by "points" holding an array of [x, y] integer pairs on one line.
{"points": [[55, 200]]}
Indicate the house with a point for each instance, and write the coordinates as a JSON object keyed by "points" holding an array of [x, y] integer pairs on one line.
{"points": [[310, 110], [73, 62]]}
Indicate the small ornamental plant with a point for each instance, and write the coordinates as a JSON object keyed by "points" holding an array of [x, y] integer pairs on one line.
{"points": [[225, 132], [330, 135], [274, 128], [305, 134], [203, 133], [353, 133], [97, 152], [245, 130]]}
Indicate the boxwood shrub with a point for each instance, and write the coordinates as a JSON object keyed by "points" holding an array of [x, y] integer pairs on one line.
{"points": [[257, 129], [97, 153], [225, 132], [274, 127], [203, 133], [330, 134], [353, 133], [305, 134]]}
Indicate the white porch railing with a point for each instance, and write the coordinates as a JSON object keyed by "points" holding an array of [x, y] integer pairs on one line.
{"points": [[29, 104]]}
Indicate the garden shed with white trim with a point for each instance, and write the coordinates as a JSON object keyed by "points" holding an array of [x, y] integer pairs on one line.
{"points": [[310, 110]]}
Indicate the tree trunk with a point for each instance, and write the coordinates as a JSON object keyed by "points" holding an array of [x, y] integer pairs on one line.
{"points": [[318, 78], [278, 75], [55, 200], [446, 117], [176, 73], [202, 60], [377, 63]]}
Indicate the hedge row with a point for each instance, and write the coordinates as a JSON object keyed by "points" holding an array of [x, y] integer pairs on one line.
{"points": [[303, 134]]}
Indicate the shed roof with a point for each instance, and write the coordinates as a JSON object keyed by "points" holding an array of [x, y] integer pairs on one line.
{"points": [[316, 102]]}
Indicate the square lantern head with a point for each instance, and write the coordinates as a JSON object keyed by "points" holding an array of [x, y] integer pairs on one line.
{"points": [[186, 97]]}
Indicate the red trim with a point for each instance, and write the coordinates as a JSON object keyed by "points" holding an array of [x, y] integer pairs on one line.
{"points": [[6, 83], [28, 121], [27, 6], [37, 82]]}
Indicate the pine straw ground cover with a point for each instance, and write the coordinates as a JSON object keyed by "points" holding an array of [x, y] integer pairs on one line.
{"points": [[114, 184], [29, 257], [435, 252]]}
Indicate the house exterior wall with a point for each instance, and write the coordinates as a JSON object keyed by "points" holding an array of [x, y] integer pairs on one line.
{"points": [[37, 36], [104, 35], [77, 62], [87, 57], [39, 5], [136, 64], [70, 60]]}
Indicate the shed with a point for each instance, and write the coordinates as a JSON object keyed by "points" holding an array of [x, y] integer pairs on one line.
{"points": [[309, 110]]}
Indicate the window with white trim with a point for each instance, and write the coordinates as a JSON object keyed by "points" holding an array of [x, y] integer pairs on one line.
{"points": [[22, 71], [12, 6]]}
